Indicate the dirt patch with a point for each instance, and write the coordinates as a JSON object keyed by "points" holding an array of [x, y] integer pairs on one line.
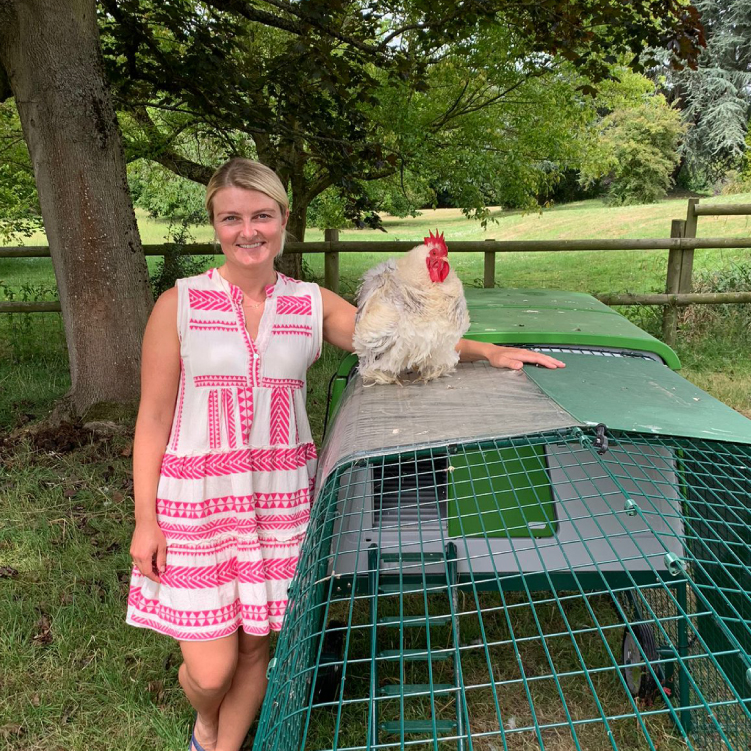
{"points": [[64, 437]]}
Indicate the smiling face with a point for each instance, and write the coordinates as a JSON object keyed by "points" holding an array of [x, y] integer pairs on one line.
{"points": [[249, 226]]}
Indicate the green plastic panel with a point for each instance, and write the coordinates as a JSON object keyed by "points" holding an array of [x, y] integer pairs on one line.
{"points": [[515, 502], [639, 395], [534, 316]]}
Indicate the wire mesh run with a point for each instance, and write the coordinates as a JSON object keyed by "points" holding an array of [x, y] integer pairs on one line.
{"points": [[543, 592]]}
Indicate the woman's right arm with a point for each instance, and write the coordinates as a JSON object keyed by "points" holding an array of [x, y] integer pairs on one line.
{"points": [[160, 377]]}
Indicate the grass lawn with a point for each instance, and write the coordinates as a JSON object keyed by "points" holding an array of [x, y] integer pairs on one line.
{"points": [[73, 676], [594, 272]]}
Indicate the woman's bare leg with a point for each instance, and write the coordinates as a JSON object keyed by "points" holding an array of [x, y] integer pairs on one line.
{"points": [[206, 676], [244, 697]]}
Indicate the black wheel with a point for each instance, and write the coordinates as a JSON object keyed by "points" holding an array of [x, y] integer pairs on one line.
{"points": [[638, 677]]}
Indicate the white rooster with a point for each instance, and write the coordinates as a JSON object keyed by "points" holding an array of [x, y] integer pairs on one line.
{"points": [[411, 313]]}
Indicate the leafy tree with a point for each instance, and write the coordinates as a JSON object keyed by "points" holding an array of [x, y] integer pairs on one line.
{"points": [[639, 150], [298, 84], [716, 96], [20, 214]]}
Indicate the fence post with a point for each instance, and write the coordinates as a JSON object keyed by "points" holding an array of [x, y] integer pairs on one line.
{"points": [[488, 280], [687, 263], [673, 284], [331, 262]]}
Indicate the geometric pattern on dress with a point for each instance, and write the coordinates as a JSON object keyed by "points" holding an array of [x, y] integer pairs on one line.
{"points": [[216, 547], [262, 612], [231, 503], [271, 569], [241, 460], [253, 359], [211, 617], [211, 529], [200, 577], [215, 440], [292, 305], [282, 500], [192, 635], [282, 521], [219, 381], [204, 299], [290, 383], [245, 407], [237, 525], [280, 409], [179, 415], [228, 411], [292, 330], [229, 326]]}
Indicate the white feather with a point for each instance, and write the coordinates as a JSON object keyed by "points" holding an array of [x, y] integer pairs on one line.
{"points": [[407, 322]]}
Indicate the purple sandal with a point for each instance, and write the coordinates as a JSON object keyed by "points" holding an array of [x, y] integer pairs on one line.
{"points": [[194, 741]]}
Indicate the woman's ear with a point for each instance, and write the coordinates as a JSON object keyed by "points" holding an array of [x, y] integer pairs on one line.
{"points": [[285, 218]]}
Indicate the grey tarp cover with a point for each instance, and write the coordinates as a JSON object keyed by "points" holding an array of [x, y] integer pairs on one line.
{"points": [[477, 402]]}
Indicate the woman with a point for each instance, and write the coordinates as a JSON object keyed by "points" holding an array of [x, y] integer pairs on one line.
{"points": [[223, 457]]}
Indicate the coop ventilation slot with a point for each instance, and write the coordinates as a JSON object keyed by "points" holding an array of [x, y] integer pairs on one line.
{"points": [[410, 491]]}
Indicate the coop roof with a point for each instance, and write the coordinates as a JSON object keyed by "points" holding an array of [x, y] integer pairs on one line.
{"points": [[540, 316], [638, 395], [477, 402]]}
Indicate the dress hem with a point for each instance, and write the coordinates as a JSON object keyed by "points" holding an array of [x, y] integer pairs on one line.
{"points": [[228, 631]]}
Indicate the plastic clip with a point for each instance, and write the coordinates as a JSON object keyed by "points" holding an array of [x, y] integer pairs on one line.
{"points": [[601, 439], [271, 666], [674, 564]]}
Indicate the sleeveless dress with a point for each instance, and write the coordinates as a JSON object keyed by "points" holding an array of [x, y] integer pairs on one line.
{"points": [[236, 480]]}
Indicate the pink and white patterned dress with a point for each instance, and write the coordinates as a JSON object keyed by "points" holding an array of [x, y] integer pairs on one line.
{"points": [[237, 476]]}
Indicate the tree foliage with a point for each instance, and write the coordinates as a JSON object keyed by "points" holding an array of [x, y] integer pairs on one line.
{"points": [[300, 85], [639, 151], [716, 96], [20, 214]]}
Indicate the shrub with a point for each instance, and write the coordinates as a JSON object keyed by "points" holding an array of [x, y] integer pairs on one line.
{"points": [[639, 147], [733, 321]]}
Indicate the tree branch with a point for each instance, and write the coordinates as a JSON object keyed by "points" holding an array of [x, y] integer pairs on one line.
{"points": [[244, 9], [168, 157]]}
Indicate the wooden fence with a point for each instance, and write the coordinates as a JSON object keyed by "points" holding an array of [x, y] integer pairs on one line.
{"points": [[678, 284]]}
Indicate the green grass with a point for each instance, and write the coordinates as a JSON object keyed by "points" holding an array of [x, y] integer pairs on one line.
{"points": [[594, 272]]}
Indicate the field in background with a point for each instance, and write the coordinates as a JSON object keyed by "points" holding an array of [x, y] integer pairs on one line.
{"points": [[635, 271]]}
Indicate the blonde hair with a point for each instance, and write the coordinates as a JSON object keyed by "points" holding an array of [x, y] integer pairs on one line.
{"points": [[239, 172]]}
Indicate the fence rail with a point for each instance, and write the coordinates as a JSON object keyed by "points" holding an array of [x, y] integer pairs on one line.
{"points": [[678, 285], [472, 246]]}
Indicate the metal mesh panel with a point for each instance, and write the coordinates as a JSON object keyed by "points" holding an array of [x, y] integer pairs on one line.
{"points": [[618, 619]]}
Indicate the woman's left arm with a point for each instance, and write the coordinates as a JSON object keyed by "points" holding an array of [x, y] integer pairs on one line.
{"points": [[504, 357], [338, 320]]}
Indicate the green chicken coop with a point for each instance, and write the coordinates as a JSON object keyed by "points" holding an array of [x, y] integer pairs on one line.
{"points": [[542, 559]]}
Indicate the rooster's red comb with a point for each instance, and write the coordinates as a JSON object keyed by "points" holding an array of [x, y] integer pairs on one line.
{"points": [[436, 241]]}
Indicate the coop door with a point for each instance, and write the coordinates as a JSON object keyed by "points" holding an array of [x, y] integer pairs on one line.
{"points": [[502, 492]]}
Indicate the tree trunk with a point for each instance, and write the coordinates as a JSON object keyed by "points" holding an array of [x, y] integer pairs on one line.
{"points": [[51, 53], [289, 264]]}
